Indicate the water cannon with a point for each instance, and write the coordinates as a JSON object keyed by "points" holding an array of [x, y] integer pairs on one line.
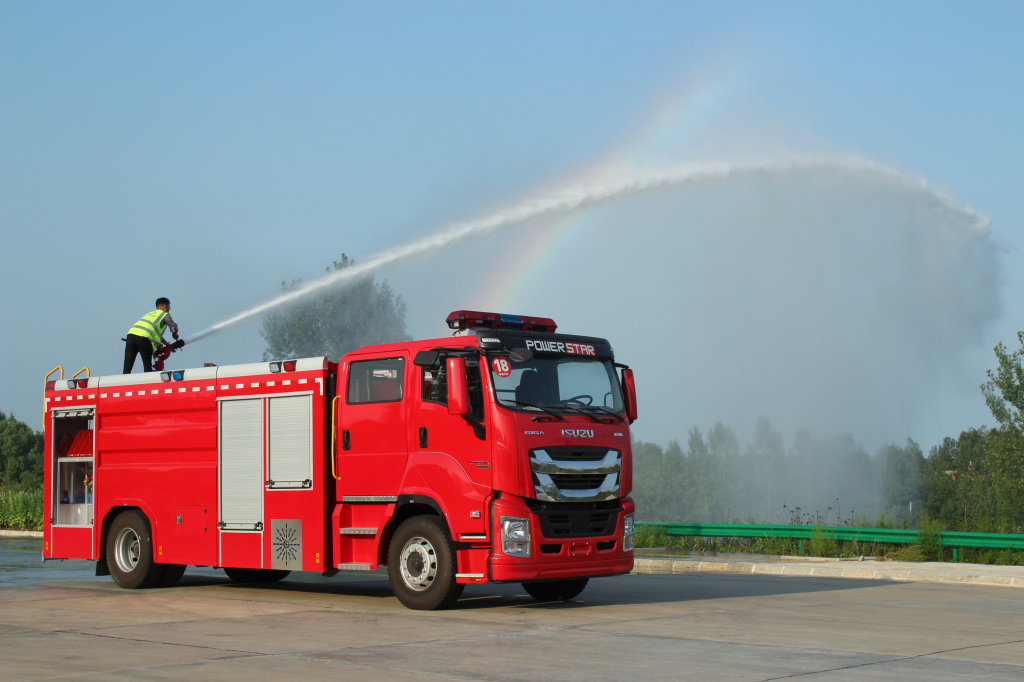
{"points": [[164, 352]]}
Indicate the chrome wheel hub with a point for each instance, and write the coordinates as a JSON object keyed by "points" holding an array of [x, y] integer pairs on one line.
{"points": [[127, 548], [418, 564]]}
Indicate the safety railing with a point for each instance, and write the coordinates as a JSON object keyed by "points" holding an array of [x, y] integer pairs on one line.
{"points": [[955, 540]]}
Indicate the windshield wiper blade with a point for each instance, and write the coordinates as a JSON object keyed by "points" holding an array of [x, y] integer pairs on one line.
{"points": [[605, 410], [552, 413], [580, 410]]}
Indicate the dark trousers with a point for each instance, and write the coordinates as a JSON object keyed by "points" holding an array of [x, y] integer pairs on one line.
{"points": [[137, 345]]}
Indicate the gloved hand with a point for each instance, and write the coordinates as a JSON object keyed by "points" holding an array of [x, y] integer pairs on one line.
{"points": [[180, 343], [175, 334]]}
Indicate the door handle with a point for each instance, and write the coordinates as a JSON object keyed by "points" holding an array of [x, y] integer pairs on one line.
{"points": [[346, 440], [423, 436]]}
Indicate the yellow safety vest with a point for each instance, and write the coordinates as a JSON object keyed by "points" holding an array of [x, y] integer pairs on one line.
{"points": [[151, 326]]}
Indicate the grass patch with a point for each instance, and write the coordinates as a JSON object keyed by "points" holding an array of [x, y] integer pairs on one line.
{"points": [[22, 509]]}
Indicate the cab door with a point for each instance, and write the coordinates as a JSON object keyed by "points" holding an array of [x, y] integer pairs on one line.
{"points": [[440, 439], [372, 449]]}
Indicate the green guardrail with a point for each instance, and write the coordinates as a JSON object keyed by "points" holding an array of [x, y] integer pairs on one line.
{"points": [[894, 536]]}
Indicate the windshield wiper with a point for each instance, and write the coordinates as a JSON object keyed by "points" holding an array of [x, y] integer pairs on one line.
{"points": [[580, 410], [604, 410], [552, 413]]}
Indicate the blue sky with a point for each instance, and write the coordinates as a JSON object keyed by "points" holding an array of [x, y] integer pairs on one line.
{"points": [[208, 151]]}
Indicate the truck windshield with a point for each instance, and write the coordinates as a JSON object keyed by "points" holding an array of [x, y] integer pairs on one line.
{"points": [[560, 384]]}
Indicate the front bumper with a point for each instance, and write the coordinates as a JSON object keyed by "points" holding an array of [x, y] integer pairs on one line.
{"points": [[553, 558]]}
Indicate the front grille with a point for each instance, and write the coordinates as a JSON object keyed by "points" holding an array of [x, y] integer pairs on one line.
{"points": [[577, 481], [572, 520]]}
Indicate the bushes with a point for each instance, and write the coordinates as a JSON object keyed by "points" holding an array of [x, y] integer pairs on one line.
{"points": [[22, 509]]}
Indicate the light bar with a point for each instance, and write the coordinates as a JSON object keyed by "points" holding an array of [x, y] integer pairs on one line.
{"points": [[287, 366], [470, 319]]}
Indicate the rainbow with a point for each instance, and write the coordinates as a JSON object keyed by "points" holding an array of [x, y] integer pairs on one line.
{"points": [[664, 133]]}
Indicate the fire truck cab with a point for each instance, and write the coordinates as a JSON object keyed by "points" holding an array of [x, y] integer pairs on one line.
{"points": [[499, 454]]}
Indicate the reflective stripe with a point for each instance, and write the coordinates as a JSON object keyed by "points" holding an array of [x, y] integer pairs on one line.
{"points": [[151, 326]]}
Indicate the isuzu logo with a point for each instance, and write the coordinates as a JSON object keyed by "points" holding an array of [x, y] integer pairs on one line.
{"points": [[577, 433]]}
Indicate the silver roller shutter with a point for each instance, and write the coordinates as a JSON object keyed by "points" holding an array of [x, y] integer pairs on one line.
{"points": [[290, 443], [241, 464]]}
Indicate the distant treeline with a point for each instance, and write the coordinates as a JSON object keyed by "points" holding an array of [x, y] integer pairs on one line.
{"points": [[964, 483], [827, 481], [974, 482]]}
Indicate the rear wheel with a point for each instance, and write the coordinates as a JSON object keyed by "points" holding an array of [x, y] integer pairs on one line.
{"points": [[556, 590], [130, 552], [255, 575], [421, 564]]}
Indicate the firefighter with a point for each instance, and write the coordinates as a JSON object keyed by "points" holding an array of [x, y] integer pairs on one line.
{"points": [[147, 336]]}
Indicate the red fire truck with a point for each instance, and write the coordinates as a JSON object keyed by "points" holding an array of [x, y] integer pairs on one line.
{"points": [[501, 453]]}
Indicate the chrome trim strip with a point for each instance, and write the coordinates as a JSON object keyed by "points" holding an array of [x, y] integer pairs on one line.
{"points": [[548, 491], [541, 462]]}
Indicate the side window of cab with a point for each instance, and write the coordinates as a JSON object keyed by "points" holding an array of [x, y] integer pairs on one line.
{"points": [[375, 381]]}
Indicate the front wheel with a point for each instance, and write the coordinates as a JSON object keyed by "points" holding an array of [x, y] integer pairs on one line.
{"points": [[130, 552], [556, 590], [421, 564]]}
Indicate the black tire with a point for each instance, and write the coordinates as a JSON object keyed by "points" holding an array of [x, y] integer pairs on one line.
{"points": [[556, 590], [172, 574], [130, 552], [422, 565], [255, 575]]}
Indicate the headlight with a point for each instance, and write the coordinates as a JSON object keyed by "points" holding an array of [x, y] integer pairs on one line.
{"points": [[627, 532], [515, 536]]}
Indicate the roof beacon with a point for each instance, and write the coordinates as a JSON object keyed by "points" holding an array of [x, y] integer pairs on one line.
{"points": [[469, 319]]}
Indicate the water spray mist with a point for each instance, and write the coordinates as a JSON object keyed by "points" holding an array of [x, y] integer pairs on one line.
{"points": [[581, 196]]}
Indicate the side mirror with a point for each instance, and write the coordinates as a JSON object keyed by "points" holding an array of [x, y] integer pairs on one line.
{"points": [[425, 358], [629, 385], [458, 387]]}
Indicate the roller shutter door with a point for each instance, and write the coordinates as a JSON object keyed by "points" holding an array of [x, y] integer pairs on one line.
{"points": [[290, 443], [241, 464]]}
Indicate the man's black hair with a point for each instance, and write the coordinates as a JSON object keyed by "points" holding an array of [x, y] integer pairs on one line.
{"points": [[162, 301]]}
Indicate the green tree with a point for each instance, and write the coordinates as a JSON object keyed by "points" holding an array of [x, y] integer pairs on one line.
{"points": [[21, 455], [901, 476], [1004, 394], [659, 481], [709, 464], [766, 461], [1004, 391], [335, 321], [957, 482]]}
